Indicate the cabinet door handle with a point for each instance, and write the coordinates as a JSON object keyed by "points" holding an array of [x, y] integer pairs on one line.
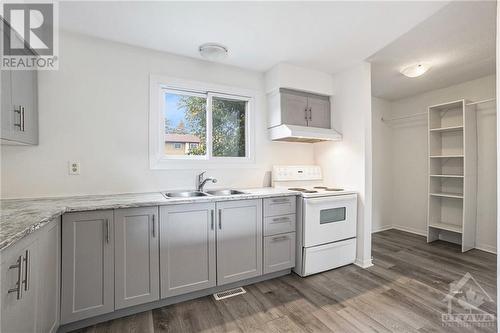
{"points": [[17, 289], [279, 238], [107, 231], [22, 118], [27, 268], [310, 114], [220, 219], [154, 227], [20, 112], [212, 219]]}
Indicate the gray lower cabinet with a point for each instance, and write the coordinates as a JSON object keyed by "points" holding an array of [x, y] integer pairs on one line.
{"points": [[87, 265], [30, 282], [239, 240], [49, 283], [136, 256], [279, 252], [187, 248], [19, 272]]}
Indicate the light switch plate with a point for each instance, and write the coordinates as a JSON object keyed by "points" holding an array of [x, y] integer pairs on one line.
{"points": [[74, 168]]}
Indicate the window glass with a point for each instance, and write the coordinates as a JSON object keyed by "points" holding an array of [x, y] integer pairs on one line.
{"points": [[228, 127], [185, 124]]}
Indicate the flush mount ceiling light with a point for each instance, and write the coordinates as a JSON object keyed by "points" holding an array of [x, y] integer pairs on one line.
{"points": [[213, 51], [415, 70]]}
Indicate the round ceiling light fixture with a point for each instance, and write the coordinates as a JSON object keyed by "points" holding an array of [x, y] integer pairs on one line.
{"points": [[415, 70], [213, 51]]}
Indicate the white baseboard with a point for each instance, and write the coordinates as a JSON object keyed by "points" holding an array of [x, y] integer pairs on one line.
{"points": [[410, 230], [487, 248], [382, 228], [363, 263], [483, 247]]}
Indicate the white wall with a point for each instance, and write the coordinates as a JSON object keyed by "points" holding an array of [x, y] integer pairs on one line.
{"points": [[382, 165], [347, 163], [409, 159], [95, 110]]}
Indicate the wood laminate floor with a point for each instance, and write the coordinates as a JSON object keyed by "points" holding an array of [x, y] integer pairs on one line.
{"points": [[402, 292]]}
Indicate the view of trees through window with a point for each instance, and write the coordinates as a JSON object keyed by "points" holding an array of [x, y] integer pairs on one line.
{"points": [[186, 124]]}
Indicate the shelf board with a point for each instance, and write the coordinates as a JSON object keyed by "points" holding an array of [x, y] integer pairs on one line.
{"points": [[448, 176], [447, 129], [446, 156], [447, 195], [446, 226]]}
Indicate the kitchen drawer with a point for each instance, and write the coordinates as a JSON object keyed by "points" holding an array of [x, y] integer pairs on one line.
{"points": [[279, 252], [279, 206], [279, 224], [329, 256]]}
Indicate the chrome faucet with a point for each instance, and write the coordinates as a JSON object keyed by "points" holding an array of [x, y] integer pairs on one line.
{"points": [[202, 181]]}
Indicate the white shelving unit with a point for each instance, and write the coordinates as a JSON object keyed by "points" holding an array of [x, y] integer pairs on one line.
{"points": [[452, 173]]}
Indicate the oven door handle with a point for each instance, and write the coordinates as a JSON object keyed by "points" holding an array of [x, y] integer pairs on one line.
{"points": [[339, 200]]}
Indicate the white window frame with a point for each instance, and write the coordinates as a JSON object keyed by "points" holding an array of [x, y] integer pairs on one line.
{"points": [[157, 158]]}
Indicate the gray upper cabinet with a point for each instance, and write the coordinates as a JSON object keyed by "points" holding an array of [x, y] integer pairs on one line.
{"points": [[239, 240], [187, 248], [319, 111], [293, 107], [136, 256], [19, 95], [87, 265]]}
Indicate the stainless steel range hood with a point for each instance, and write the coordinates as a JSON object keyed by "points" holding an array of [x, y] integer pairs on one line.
{"points": [[294, 133]]}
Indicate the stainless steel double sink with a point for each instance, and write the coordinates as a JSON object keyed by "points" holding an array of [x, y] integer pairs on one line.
{"points": [[194, 194]]}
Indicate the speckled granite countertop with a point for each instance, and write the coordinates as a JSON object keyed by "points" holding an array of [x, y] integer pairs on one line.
{"points": [[20, 217]]}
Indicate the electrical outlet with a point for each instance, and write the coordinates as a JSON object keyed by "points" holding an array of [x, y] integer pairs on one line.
{"points": [[74, 168]]}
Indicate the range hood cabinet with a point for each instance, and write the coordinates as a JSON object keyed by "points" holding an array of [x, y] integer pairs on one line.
{"points": [[297, 116]]}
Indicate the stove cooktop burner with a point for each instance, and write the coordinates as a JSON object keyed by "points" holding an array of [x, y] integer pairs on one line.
{"points": [[328, 188], [303, 190]]}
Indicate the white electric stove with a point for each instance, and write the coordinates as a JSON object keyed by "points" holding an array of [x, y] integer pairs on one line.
{"points": [[326, 219]]}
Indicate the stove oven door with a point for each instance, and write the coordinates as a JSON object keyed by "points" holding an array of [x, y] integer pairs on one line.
{"points": [[329, 219]]}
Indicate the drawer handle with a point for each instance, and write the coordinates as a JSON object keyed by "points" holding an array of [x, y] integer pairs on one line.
{"points": [[19, 268], [279, 238], [278, 219], [280, 200]]}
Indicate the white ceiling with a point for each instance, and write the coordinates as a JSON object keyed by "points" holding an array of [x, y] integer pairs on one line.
{"points": [[327, 36], [459, 42]]}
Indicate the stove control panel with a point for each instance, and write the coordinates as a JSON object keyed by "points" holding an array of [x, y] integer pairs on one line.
{"points": [[296, 172]]}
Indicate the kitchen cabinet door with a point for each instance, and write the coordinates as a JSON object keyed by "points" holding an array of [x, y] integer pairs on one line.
{"points": [[19, 106], [319, 111], [187, 248], [49, 272], [294, 108], [136, 256], [239, 240], [279, 252], [24, 99], [87, 265], [19, 272]]}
